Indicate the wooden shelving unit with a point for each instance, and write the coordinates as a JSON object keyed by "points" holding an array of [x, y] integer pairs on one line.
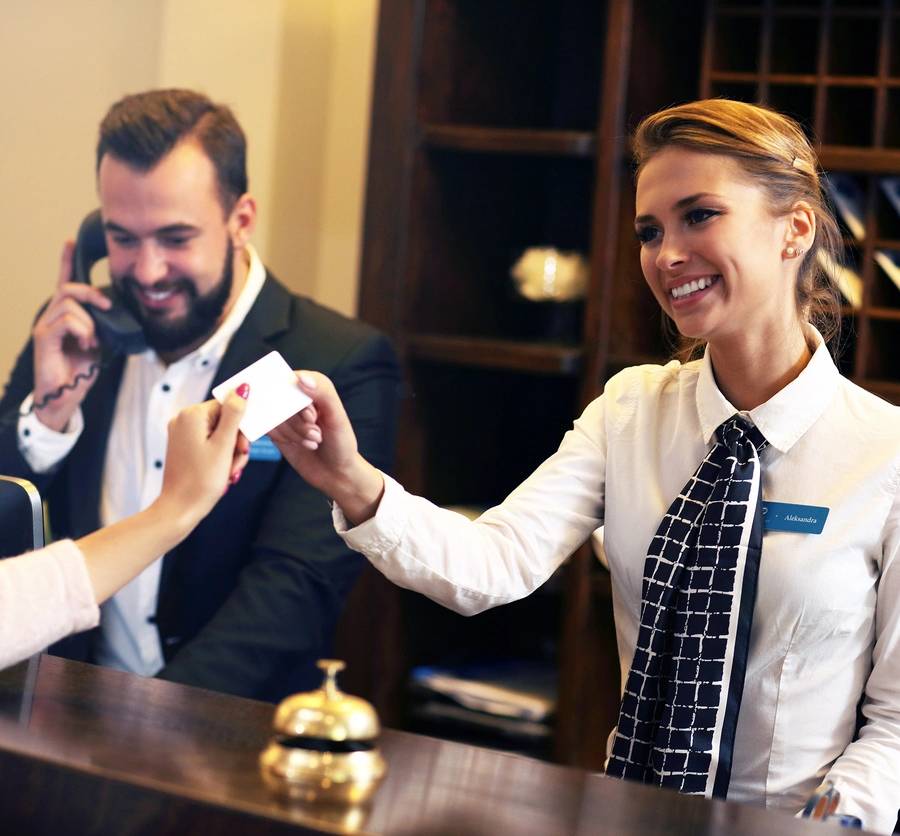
{"points": [[843, 84], [498, 126]]}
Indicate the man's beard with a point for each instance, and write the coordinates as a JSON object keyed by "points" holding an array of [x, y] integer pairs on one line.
{"points": [[201, 318]]}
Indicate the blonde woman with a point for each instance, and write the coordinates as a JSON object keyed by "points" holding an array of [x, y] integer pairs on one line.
{"points": [[750, 497]]}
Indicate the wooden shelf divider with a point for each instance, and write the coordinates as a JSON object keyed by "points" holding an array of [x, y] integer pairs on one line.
{"points": [[509, 140], [513, 355], [868, 160], [887, 314]]}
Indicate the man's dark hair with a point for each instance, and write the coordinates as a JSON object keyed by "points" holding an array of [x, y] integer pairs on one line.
{"points": [[142, 128]]}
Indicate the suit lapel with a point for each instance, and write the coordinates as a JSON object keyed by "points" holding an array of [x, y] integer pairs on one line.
{"points": [[269, 316]]}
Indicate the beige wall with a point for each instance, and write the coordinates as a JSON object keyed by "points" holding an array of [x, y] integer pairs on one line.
{"points": [[317, 174], [55, 83], [298, 74]]}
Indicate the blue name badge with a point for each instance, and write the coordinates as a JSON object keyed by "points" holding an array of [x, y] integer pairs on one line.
{"points": [[785, 516], [264, 450]]}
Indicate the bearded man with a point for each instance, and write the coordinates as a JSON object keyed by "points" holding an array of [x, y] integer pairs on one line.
{"points": [[250, 600]]}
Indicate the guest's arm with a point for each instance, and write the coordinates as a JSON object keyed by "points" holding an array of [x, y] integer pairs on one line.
{"points": [[204, 452], [52, 592]]}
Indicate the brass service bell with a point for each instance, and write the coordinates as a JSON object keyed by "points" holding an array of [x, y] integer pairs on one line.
{"points": [[324, 746]]}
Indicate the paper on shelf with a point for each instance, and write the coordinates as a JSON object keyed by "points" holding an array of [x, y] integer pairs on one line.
{"points": [[849, 201], [506, 690], [891, 187], [514, 727], [889, 261]]}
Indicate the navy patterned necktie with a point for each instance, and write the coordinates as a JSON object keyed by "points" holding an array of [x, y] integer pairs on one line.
{"points": [[683, 693]]}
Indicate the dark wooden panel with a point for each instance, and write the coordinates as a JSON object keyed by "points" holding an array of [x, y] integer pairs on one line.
{"points": [[391, 151], [529, 65]]}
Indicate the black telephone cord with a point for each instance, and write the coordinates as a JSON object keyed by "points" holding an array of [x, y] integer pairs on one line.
{"points": [[12, 417], [81, 377]]}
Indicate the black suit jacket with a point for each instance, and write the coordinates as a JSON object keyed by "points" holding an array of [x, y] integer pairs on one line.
{"points": [[249, 600]]}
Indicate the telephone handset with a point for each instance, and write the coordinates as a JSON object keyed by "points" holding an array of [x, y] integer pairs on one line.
{"points": [[117, 329]]}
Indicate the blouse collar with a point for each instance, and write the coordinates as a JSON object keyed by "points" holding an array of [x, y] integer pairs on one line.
{"points": [[787, 415]]}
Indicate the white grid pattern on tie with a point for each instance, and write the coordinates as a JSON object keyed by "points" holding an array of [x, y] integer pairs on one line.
{"points": [[707, 519]]}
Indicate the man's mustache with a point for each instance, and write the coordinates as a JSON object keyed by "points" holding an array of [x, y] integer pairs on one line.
{"points": [[131, 285]]}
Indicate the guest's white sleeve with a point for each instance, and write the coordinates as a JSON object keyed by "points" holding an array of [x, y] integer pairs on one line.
{"points": [[867, 774], [511, 549], [44, 596], [40, 446]]}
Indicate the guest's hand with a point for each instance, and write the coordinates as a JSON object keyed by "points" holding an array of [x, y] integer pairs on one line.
{"points": [[319, 443], [206, 454]]}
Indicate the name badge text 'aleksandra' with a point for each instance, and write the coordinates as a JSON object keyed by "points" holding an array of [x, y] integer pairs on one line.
{"points": [[785, 516]]}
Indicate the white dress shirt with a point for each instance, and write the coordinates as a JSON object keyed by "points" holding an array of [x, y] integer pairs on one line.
{"points": [[827, 616], [150, 394]]}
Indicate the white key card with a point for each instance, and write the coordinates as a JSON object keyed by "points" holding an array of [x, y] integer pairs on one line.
{"points": [[274, 394]]}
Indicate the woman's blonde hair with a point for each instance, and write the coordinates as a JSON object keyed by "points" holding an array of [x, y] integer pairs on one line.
{"points": [[773, 152]]}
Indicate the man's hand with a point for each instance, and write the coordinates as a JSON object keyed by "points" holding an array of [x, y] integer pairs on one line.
{"points": [[320, 445], [65, 345]]}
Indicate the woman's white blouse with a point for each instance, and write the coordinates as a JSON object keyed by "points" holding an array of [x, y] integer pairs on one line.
{"points": [[827, 617]]}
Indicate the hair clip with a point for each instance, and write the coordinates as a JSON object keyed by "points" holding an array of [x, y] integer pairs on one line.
{"points": [[802, 165]]}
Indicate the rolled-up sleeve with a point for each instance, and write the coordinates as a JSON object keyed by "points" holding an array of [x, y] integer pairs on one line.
{"points": [[44, 595]]}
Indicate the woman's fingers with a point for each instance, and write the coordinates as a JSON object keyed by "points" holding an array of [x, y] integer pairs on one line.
{"points": [[297, 430], [239, 461], [309, 381], [230, 414], [326, 402], [289, 432]]}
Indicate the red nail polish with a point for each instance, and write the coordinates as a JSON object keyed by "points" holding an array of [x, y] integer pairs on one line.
{"points": [[243, 391]]}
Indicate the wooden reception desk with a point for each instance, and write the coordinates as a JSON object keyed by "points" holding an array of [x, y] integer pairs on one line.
{"points": [[103, 752]]}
